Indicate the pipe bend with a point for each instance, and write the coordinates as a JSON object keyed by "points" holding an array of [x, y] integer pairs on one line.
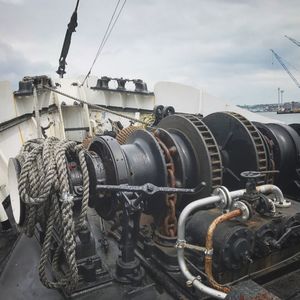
{"points": [[270, 188], [195, 205], [195, 281], [180, 251]]}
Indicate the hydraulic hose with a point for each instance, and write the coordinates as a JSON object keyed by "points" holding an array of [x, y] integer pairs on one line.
{"points": [[209, 247]]}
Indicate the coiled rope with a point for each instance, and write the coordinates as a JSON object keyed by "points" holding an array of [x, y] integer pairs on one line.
{"points": [[45, 190]]}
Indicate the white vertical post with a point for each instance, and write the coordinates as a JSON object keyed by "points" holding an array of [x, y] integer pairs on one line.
{"points": [[282, 91], [37, 113]]}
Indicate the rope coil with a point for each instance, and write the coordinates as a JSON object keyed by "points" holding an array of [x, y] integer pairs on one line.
{"points": [[45, 190]]}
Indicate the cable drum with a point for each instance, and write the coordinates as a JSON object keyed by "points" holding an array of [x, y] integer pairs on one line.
{"points": [[286, 152], [241, 146], [296, 127], [199, 153]]}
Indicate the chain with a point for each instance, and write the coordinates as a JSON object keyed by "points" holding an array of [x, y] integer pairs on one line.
{"points": [[169, 226]]}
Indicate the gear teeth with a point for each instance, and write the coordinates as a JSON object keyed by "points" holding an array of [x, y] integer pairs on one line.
{"points": [[213, 150], [124, 133], [258, 141]]}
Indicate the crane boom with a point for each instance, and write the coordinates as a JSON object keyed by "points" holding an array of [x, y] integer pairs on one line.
{"points": [[293, 40], [285, 67]]}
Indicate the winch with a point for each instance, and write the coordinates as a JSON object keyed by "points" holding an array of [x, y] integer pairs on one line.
{"points": [[191, 193]]}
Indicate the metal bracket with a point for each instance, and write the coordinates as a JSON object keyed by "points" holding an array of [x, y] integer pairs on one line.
{"points": [[182, 244], [190, 283]]}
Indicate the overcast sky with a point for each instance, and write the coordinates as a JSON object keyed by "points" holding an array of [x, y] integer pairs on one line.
{"points": [[222, 46]]}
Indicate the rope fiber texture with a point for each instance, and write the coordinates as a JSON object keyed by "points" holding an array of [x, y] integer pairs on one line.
{"points": [[45, 190]]}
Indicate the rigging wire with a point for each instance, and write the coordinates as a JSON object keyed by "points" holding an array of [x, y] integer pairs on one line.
{"points": [[105, 34], [100, 108], [115, 21], [110, 27]]}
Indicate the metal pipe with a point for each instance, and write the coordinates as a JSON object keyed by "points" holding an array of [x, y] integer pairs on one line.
{"points": [[209, 247], [195, 281], [266, 188], [269, 188]]}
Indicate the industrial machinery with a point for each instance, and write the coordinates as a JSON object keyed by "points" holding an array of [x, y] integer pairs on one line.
{"points": [[187, 209]]}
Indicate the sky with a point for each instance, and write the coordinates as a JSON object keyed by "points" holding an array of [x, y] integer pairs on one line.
{"points": [[222, 46]]}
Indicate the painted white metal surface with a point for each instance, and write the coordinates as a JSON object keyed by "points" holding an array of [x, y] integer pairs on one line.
{"points": [[68, 115], [188, 99]]}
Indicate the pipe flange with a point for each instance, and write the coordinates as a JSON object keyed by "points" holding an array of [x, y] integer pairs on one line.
{"points": [[283, 204], [246, 213], [226, 201]]}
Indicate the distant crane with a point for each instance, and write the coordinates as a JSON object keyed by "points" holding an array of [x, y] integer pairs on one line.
{"points": [[293, 40], [285, 67]]}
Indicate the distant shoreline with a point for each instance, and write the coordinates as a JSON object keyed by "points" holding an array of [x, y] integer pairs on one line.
{"points": [[287, 118]]}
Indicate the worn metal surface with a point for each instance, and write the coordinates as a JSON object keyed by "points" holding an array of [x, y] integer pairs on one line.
{"points": [[19, 279], [249, 290], [286, 287]]}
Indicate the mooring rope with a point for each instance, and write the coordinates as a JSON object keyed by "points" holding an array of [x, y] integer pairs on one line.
{"points": [[45, 190]]}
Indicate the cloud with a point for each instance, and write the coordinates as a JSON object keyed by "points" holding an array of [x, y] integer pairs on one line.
{"points": [[14, 65], [220, 45], [12, 2]]}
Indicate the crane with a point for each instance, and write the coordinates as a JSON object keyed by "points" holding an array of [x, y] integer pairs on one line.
{"points": [[285, 67], [293, 40]]}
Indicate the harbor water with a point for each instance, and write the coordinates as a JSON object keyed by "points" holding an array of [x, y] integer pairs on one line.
{"points": [[287, 118]]}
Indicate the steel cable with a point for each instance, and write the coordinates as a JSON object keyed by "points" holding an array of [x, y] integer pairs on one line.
{"points": [[97, 107], [107, 34]]}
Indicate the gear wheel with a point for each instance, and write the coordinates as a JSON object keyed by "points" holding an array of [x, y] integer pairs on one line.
{"points": [[202, 154], [124, 133], [241, 145], [212, 149]]}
